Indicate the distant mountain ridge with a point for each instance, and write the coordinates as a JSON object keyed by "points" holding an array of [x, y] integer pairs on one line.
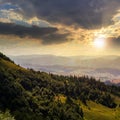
{"points": [[113, 82], [108, 61], [101, 67]]}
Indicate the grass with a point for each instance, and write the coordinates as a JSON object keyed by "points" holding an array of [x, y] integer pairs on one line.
{"points": [[11, 66], [96, 111]]}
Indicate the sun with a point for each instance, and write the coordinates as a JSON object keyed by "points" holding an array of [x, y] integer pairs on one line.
{"points": [[100, 41]]}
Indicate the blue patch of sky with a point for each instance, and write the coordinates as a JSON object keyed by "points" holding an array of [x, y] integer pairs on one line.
{"points": [[8, 6]]}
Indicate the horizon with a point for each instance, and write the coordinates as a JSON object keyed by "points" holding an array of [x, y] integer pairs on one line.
{"points": [[62, 55]]}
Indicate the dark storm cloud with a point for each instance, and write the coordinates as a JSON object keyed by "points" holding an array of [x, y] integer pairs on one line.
{"points": [[48, 35], [85, 13], [22, 31], [54, 38], [115, 42]]}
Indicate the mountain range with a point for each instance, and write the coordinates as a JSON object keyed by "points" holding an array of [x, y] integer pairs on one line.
{"points": [[105, 68]]}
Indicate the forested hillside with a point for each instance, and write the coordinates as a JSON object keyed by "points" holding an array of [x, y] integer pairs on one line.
{"points": [[32, 95]]}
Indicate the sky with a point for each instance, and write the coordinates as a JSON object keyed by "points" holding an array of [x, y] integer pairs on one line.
{"points": [[60, 27]]}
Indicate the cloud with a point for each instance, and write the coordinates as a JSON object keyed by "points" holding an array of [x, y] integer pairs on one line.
{"points": [[55, 38], [14, 17], [62, 20], [112, 32], [114, 42], [47, 36], [86, 13], [15, 24], [23, 31]]}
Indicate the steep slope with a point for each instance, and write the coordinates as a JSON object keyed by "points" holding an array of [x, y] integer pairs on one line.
{"points": [[26, 94], [31, 95]]}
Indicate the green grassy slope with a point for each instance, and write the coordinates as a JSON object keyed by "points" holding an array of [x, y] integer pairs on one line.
{"points": [[99, 112]]}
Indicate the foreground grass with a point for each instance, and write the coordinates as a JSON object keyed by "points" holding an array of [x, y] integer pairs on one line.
{"points": [[96, 111]]}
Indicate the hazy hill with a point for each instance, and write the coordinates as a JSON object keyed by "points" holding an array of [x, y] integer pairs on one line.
{"points": [[104, 67], [82, 61], [31, 95]]}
